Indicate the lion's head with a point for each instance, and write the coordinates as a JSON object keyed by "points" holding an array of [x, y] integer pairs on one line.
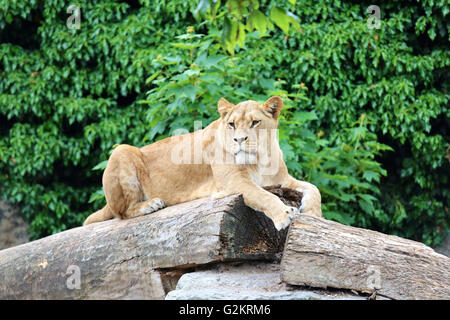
{"points": [[246, 129]]}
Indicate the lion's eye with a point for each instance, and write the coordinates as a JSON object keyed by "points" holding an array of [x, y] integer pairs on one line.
{"points": [[231, 124], [255, 123]]}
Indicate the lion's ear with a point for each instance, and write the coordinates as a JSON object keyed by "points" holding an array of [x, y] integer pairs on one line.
{"points": [[273, 106], [224, 106]]}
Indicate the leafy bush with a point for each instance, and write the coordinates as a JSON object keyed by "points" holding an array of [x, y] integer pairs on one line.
{"points": [[365, 119]]}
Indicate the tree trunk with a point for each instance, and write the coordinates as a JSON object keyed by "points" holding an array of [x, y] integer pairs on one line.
{"points": [[143, 258], [139, 258], [323, 253]]}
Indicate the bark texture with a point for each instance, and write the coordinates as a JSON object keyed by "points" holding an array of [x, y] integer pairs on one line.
{"points": [[323, 253], [143, 258], [140, 258]]}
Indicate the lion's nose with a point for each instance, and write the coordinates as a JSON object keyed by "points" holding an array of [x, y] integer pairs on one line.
{"points": [[240, 140]]}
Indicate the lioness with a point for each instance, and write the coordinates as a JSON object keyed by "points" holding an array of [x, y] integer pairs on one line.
{"points": [[222, 159]]}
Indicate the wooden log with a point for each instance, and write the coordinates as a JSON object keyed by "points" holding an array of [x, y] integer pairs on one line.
{"points": [[139, 258], [323, 253]]}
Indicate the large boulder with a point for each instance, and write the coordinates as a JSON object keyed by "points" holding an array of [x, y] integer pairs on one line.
{"points": [[246, 281]]}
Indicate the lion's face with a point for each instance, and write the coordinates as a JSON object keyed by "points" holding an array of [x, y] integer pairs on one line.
{"points": [[248, 127]]}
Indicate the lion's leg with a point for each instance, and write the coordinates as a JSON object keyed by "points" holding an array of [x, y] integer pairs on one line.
{"points": [[230, 180], [311, 200], [261, 200], [126, 184]]}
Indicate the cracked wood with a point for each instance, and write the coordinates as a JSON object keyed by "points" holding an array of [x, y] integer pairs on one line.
{"points": [[126, 259], [323, 253]]}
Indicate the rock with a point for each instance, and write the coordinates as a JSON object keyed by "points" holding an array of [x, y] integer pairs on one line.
{"points": [[246, 281], [13, 229]]}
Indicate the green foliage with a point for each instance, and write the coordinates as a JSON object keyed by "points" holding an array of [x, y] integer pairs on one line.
{"points": [[242, 16], [365, 118]]}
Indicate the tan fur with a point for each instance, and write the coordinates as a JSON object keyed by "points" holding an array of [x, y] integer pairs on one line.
{"points": [[217, 161]]}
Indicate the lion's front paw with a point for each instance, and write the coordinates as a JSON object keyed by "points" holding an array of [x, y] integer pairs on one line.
{"points": [[283, 219], [153, 205], [293, 212], [282, 222]]}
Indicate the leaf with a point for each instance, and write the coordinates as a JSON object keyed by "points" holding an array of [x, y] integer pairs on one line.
{"points": [[158, 128], [209, 61], [366, 202], [303, 116], [267, 84], [101, 165], [229, 34], [187, 46], [279, 16], [167, 60], [153, 76], [432, 33], [97, 195], [190, 92], [257, 20], [201, 9], [241, 35], [339, 217], [371, 175]]}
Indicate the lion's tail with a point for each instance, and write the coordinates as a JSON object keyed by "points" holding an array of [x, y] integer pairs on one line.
{"points": [[100, 215]]}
